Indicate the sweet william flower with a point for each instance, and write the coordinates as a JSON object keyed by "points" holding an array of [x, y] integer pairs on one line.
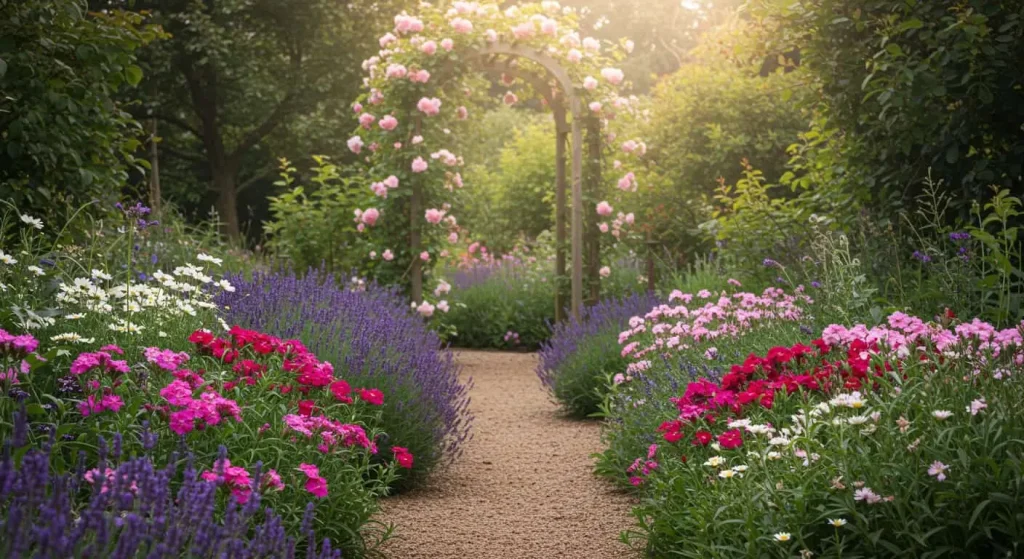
{"points": [[731, 439], [341, 391], [371, 396], [402, 456]]}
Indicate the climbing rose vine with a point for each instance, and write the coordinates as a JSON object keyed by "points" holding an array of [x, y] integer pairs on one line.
{"points": [[419, 87]]}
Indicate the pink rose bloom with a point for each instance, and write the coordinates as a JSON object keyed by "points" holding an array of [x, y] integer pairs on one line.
{"points": [[491, 35], [549, 26], [461, 113], [419, 165], [434, 216], [425, 256], [388, 123], [603, 227], [595, 106], [523, 30], [395, 71], [419, 76], [386, 40], [391, 181], [589, 83], [388, 255], [613, 76], [605, 271], [357, 107], [430, 107], [630, 218], [591, 44], [574, 55], [425, 309], [379, 189], [629, 146], [462, 25], [604, 209], [510, 98], [376, 97], [428, 48], [453, 237], [370, 216], [366, 119], [355, 144], [447, 44]]}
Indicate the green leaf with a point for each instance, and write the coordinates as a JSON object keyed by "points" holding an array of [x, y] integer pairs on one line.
{"points": [[894, 49], [133, 74], [912, 23]]}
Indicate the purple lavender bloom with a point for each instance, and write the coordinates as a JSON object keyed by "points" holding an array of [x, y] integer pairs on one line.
{"points": [[924, 258], [138, 510], [769, 263], [374, 341], [581, 352], [959, 236]]}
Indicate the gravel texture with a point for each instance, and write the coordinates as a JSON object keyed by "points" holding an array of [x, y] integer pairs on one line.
{"points": [[523, 488]]}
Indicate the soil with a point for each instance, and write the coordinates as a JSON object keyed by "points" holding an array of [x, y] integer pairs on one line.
{"points": [[522, 489]]}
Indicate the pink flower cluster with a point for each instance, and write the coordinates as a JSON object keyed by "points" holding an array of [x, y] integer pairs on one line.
{"points": [[315, 483], [99, 360], [165, 358], [331, 432], [679, 327], [238, 479], [207, 410], [17, 346]]}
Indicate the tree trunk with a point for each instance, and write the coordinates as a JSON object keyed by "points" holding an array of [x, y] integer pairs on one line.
{"points": [[227, 200], [592, 235]]}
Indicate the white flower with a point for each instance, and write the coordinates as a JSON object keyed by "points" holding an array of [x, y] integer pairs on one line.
{"points": [[226, 286], [782, 536], [36, 270], [162, 334], [32, 221], [727, 474], [7, 258], [837, 522], [858, 420], [739, 469], [100, 274], [778, 441], [773, 455], [853, 400], [207, 258], [71, 337], [759, 429], [74, 316], [715, 461], [442, 305], [737, 423], [942, 414]]}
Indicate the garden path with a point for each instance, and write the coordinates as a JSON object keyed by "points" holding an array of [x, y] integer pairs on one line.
{"points": [[523, 489]]}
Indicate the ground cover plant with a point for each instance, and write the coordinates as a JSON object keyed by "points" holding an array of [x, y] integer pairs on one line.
{"points": [[369, 332], [883, 441]]}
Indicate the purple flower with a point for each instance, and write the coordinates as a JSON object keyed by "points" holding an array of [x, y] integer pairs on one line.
{"points": [[959, 236], [769, 263], [924, 258]]}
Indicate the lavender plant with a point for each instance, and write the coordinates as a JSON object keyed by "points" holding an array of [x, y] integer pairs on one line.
{"points": [[372, 339], [136, 509], [577, 362]]}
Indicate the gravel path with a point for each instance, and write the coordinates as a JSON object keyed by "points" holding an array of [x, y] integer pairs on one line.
{"points": [[523, 488]]}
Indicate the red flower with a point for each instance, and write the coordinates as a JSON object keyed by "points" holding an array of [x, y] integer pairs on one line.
{"points": [[201, 337], [673, 436], [731, 439], [341, 391], [702, 438], [683, 458], [402, 456], [306, 407], [372, 396]]}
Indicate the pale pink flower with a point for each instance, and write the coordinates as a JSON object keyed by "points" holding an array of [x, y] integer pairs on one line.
{"points": [[419, 165], [453, 237], [355, 144], [447, 44], [613, 76], [491, 36], [379, 189], [604, 209], [386, 40], [366, 119], [434, 216], [388, 255], [938, 470], [357, 107], [629, 45], [430, 107], [591, 44], [428, 48], [370, 216], [373, 255], [574, 55], [589, 83], [425, 256], [442, 305], [549, 26], [524, 30], [603, 227], [388, 123], [976, 406], [462, 25], [417, 139], [630, 218], [510, 98], [461, 113], [419, 76], [605, 271], [867, 495], [391, 181], [425, 309], [395, 71], [595, 106]]}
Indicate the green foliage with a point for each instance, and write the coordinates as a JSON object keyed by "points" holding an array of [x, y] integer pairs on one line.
{"points": [[581, 381], [513, 197], [311, 226], [64, 139], [907, 87], [700, 123]]}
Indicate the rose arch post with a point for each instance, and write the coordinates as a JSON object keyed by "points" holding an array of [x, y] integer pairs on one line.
{"points": [[565, 82]]}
